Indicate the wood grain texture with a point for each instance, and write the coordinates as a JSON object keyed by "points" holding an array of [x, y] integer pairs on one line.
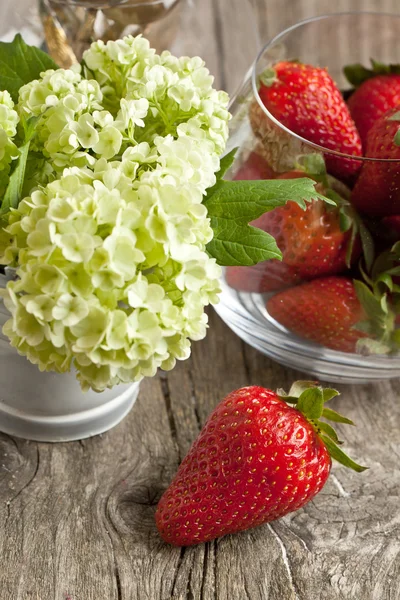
{"points": [[77, 520]]}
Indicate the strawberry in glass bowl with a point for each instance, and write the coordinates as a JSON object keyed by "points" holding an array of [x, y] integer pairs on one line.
{"points": [[329, 303]]}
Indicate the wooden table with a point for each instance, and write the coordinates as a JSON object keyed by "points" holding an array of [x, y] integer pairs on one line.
{"points": [[77, 519]]}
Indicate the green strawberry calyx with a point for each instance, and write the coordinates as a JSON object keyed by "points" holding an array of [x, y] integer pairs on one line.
{"points": [[309, 398], [268, 77], [379, 296], [356, 73]]}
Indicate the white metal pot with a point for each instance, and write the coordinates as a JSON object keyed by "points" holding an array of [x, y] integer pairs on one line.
{"points": [[51, 407]]}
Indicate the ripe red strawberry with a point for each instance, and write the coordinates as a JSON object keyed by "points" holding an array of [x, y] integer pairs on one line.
{"points": [[343, 314], [311, 241], [323, 311], [377, 191], [371, 100], [254, 168], [306, 100], [255, 460], [377, 91]]}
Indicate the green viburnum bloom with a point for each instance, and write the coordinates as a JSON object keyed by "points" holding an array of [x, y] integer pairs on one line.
{"points": [[110, 248], [8, 128]]}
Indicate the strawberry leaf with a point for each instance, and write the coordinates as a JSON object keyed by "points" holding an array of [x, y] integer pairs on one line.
{"points": [[371, 304], [20, 64], [329, 393], [312, 164], [268, 77], [396, 138], [231, 205], [328, 429], [336, 417], [395, 117], [340, 456], [311, 403], [367, 244], [356, 74]]}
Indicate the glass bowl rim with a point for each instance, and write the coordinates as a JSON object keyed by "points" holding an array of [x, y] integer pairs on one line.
{"points": [[276, 39]]}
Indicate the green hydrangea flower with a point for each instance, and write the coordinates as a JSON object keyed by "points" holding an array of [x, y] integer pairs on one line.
{"points": [[109, 245], [8, 128]]}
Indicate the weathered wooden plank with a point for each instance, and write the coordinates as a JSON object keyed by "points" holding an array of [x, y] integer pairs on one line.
{"points": [[77, 520]]}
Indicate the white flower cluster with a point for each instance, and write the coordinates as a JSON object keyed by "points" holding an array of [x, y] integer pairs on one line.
{"points": [[113, 275], [8, 128]]}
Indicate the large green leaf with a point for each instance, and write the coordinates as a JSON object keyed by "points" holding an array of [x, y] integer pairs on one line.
{"points": [[20, 64], [231, 205]]}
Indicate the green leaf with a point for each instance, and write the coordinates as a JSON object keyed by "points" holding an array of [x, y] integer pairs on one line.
{"points": [[340, 456], [346, 220], [328, 429], [396, 138], [356, 74], [336, 417], [20, 64], [329, 393], [371, 304], [241, 245], [311, 403], [387, 281], [395, 117], [226, 163], [29, 127], [13, 194], [367, 244], [313, 163], [231, 205], [268, 77]]}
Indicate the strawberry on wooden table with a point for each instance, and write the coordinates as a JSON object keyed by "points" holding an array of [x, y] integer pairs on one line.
{"points": [[256, 459], [306, 100], [377, 91]]}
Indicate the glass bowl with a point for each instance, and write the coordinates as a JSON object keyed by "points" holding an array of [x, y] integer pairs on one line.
{"points": [[264, 143]]}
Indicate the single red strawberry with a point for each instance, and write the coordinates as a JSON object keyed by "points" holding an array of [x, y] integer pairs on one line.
{"points": [[377, 191], [323, 311], [256, 459], [306, 100], [373, 99], [377, 91], [340, 313], [311, 241], [254, 168]]}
